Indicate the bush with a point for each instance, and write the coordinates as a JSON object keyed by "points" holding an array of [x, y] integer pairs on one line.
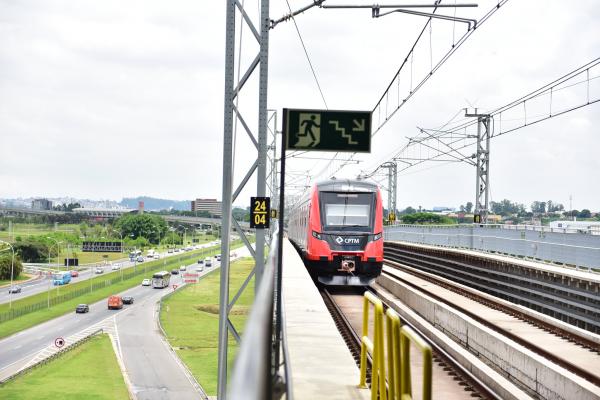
{"points": [[6, 266], [427, 218]]}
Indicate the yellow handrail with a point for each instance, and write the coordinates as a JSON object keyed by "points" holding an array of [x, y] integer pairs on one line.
{"points": [[397, 341], [407, 335], [374, 347], [393, 353]]}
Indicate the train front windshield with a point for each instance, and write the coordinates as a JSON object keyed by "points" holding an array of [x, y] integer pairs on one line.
{"points": [[347, 211]]}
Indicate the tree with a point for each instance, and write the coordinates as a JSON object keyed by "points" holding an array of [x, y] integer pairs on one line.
{"points": [[6, 265], [469, 207], [506, 207], [538, 207], [585, 213], [408, 210], [426, 218], [34, 250], [149, 226]]}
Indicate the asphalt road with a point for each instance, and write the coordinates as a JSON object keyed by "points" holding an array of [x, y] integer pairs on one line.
{"points": [[152, 368], [42, 284]]}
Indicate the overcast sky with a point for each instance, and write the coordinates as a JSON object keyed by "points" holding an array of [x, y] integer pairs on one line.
{"points": [[111, 99]]}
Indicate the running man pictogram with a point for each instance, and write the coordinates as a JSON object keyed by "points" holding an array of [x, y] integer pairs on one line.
{"points": [[311, 135]]}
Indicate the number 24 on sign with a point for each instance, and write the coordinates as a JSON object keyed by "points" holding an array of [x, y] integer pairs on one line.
{"points": [[260, 209]]}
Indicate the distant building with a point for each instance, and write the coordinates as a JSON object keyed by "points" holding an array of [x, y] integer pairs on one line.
{"points": [[211, 205], [442, 209], [41, 204]]}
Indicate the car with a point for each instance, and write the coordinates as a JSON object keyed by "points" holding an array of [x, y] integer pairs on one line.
{"points": [[115, 302], [208, 262], [116, 267], [82, 309], [175, 272], [200, 268], [99, 270], [14, 289], [140, 259], [176, 250], [170, 251], [183, 268], [74, 273], [200, 262], [146, 282], [219, 257], [127, 299]]}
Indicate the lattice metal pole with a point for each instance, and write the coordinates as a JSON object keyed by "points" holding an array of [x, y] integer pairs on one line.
{"points": [[392, 168], [229, 195], [482, 176]]}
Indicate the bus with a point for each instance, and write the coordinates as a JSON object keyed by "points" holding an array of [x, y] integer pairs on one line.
{"points": [[61, 278], [161, 279]]}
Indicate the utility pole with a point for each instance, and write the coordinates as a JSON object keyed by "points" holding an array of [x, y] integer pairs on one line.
{"points": [[482, 176]]}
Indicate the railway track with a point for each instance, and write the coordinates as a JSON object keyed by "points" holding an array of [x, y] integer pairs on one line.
{"points": [[562, 353], [577, 304], [466, 385]]}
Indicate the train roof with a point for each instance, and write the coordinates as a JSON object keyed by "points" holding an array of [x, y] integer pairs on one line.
{"points": [[346, 185]]}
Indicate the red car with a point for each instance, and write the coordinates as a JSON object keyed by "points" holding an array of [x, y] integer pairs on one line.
{"points": [[74, 274]]}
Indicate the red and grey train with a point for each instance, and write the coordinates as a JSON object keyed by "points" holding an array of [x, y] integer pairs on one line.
{"points": [[338, 227]]}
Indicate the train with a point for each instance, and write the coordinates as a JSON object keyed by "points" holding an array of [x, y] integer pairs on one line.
{"points": [[338, 229]]}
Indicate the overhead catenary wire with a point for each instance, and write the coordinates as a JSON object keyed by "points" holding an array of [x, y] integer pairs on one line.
{"points": [[307, 55]]}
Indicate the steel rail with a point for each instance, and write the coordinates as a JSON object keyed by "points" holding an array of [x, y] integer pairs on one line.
{"points": [[519, 293], [352, 339], [499, 306]]}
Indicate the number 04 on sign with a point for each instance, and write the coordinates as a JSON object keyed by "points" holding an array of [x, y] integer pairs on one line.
{"points": [[260, 212]]}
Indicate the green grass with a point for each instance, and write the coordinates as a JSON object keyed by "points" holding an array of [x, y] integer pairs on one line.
{"points": [[36, 317], [190, 318], [89, 371], [25, 230], [17, 279]]}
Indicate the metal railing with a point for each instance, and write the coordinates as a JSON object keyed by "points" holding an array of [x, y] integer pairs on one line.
{"points": [[256, 370], [397, 343], [580, 250]]}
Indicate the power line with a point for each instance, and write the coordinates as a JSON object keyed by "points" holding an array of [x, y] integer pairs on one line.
{"points": [[307, 56]]}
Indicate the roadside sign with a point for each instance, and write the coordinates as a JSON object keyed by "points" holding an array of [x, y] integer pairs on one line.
{"points": [[392, 217], [59, 342], [273, 213], [260, 209], [174, 287], [325, 130], [190, 277], [477, 218]]}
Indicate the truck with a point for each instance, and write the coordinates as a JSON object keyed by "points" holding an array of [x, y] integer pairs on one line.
{"points": [[61, 278], [115, 302]]}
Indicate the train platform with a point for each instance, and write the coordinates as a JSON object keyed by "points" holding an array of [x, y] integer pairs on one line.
{"points": [[321, 364]]}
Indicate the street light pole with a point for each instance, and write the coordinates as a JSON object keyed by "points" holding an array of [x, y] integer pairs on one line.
{"points": [[12, 271]]}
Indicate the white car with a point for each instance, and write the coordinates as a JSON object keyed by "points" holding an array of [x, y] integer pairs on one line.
{"points": [[99, 270], [183, 268], [116, 267], [146, 282]]}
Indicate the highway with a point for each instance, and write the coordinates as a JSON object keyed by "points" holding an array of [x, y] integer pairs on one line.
{"points": [[42, 284], [152, 368]]}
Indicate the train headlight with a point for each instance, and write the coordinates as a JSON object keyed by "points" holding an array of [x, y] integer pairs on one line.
{"points": [[377, 236], [316, 235]]}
